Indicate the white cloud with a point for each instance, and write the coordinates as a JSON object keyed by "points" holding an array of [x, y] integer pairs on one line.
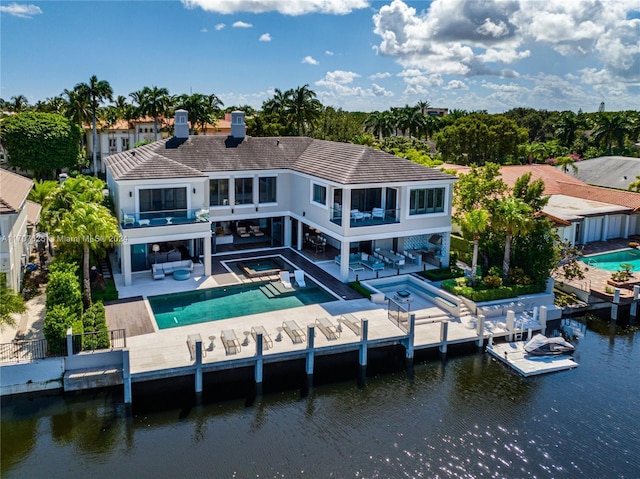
{"points": [[340, 77], [379, 75], [204, 30], [219, 26], [455, 85], [328, 52], [240, 24], [265, 37], [22, 11], [310, 60], [285, 7], [469, 38], [380, 91]]}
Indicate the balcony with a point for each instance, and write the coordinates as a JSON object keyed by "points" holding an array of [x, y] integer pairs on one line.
{"points": [[375, 217], [163, 218]]}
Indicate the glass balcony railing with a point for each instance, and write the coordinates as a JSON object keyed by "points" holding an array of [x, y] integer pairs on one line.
{"points": [[375, 217], [163, 218]]}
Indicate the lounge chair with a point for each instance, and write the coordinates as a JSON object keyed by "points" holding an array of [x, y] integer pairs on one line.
{"points": [[351, 322], [192, 339], [128, 220], [327, 328], [230, 341], [377, 213], [294, 331], [356, 215], [299, 275], [285, 279], [266, 339], [242, 232], [255, 231]]}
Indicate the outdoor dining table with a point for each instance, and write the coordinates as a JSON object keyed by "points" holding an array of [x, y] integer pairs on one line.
{"points": [[394, 258]]}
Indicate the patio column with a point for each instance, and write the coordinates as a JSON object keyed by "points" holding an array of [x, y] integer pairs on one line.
{"points": [[344, 261], [605, 228], [207, 255], [287, 231], [299, 236], [125, 259]]}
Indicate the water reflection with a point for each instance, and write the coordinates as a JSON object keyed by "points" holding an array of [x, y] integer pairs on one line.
{"points": [[468, 416]]}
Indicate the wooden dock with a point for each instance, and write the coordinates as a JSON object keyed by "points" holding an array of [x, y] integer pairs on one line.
{"points": [[513, 354]]}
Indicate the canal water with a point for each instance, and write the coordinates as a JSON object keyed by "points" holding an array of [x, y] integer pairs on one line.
{"points": [[466, 417]]}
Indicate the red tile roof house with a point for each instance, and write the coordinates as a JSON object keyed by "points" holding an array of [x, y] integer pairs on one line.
{"points": [[18, 218], [198, 191], [582, 213]]}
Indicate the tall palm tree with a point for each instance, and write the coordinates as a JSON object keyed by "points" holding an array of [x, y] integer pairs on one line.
{"points": [[95, 92], [610, 129], [566, 127], [19, 103], [515, 217], [380, 123], [565, 163], [77, 110], [423, 106], [154, 102], [304, 109], [474, 222]]}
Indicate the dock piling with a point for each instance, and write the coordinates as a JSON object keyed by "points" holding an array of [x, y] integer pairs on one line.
{"points": [[199, 366], [126, 376], [362, 356], [634, 303], [444, 330], [511, 319], [310, 341], [258, 370], [480, 341]]}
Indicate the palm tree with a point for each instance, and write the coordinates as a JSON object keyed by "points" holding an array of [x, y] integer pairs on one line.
{"points": [[566, 128], [611, 128], [95, 92], [635, 186], [19, 103], [154, 102], [423, 106], [42, 189], [10, 303], [95, 229], [380, 123], [202, 109], [515, 217], [304, 109], [474, 222]]}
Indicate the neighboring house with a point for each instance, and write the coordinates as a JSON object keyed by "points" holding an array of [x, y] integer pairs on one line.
{"points": [[18, 218], [582, 213], [123, 135], [608, 171], [201, 195]]}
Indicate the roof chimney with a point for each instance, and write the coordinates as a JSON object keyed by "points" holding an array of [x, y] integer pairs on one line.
{"points": [[181, 125], [237, 124]]}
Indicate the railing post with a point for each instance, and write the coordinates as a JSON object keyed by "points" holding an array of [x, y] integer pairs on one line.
{"points": [[199, 366], [70, 342], [310, 342]]}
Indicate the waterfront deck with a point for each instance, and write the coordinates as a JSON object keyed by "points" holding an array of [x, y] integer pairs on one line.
{"points": [[513, 354]]}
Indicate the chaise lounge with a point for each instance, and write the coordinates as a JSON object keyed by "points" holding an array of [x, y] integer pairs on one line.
{"points": [[230, 342], [294, 331], [267, 343], [327, 328]]}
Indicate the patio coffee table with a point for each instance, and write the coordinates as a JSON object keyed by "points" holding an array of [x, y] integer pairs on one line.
{"points": [[181, 274]]}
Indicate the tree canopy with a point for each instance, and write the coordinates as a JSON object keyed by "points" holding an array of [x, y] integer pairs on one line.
{"points": [[41, 142]]}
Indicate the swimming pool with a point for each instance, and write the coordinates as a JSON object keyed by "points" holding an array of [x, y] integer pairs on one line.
{"points": [[612, 261], [193, 307]]}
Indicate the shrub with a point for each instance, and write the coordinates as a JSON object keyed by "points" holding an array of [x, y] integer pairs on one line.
{"points": [[360, 289], [94, 321], [518, 276], [57, 320], [482, 293], [64, 289], [442, 273], [492, 281]]}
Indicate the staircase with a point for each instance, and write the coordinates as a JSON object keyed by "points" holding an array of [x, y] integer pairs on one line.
{"points": [[105, 269], [275, 289]]}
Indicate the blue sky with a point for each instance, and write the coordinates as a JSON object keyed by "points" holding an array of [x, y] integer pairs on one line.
{"points": [[358, 55]]}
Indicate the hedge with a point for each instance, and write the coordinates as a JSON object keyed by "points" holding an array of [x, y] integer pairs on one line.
{"points": [[482, 294]]}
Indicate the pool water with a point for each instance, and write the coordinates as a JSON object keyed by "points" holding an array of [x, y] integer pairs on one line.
{"points": [[193, 307], [612, 261]]}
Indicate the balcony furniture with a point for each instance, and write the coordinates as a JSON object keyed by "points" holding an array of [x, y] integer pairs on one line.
{"points": [[356, 215], [144, 222], [128, 220], [255, 231], [377, 213], [242, 232]]}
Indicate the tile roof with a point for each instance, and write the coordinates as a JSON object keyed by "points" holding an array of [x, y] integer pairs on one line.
{"points": [[13, 191], [343, 163], [33, 212]]}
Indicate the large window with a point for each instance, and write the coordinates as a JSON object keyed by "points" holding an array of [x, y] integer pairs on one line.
{"points": [[320, 194], [425, 201], [163, 199], [267, 189], [244, 191], [218, 192]]}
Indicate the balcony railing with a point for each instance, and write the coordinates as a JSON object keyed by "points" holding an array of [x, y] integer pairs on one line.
{"points": [[163, 218], [375, 217]]}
